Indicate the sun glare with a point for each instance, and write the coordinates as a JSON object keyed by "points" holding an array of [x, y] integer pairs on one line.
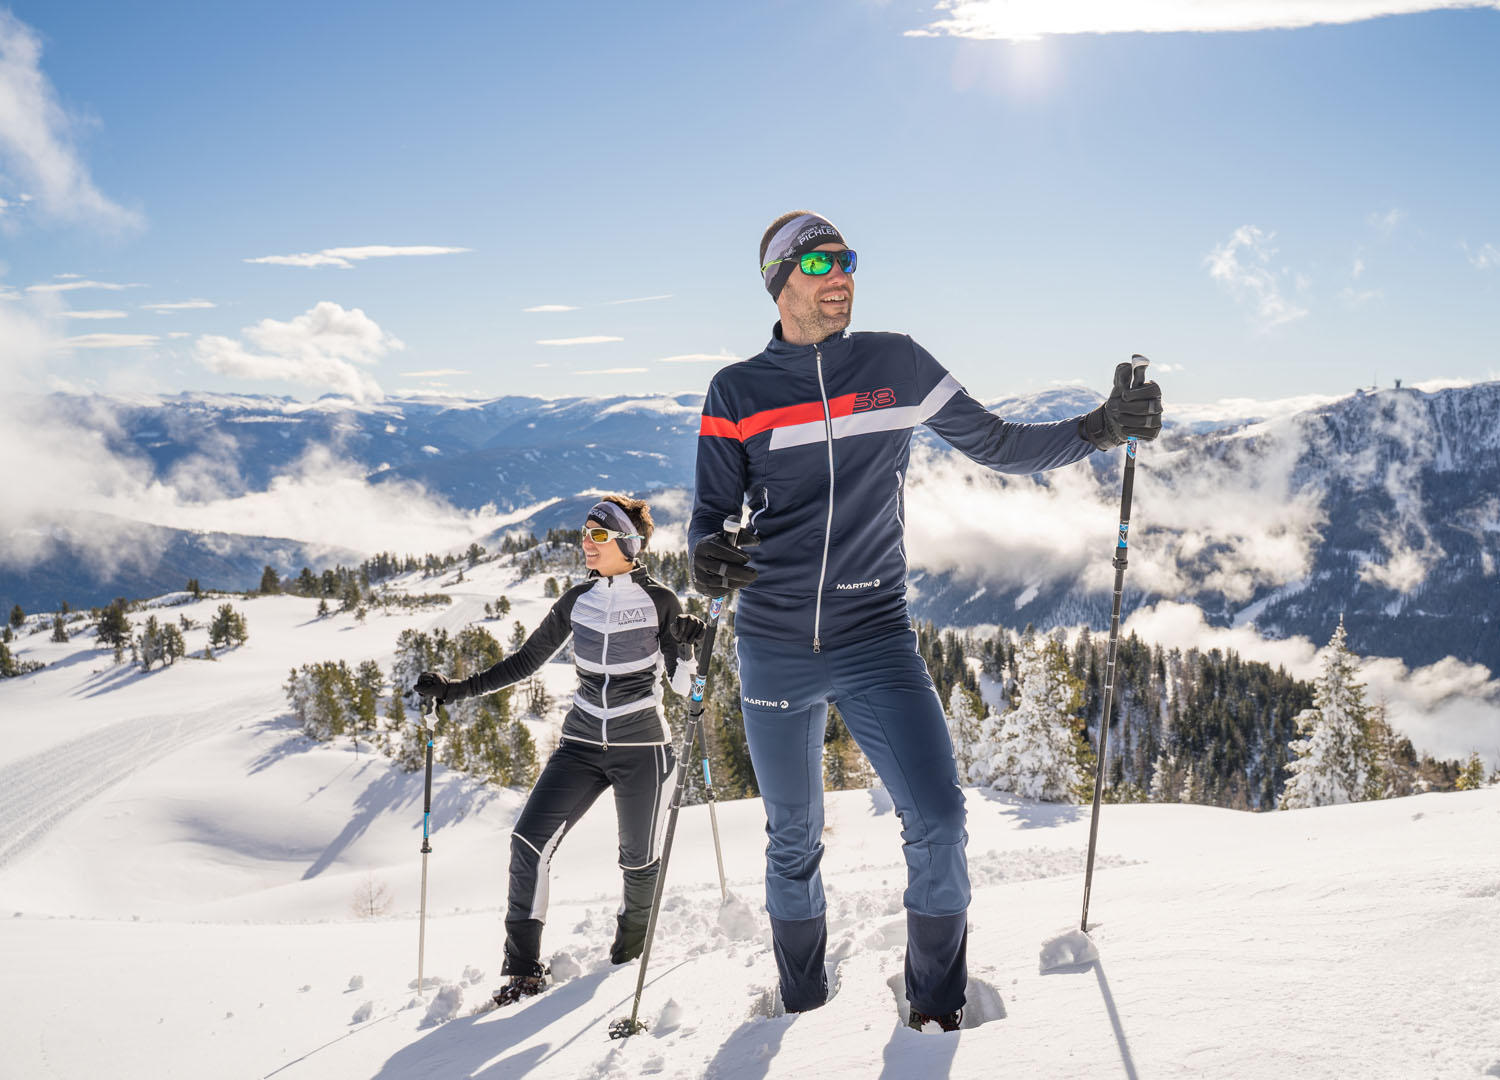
{"points": [[1025, 69]]}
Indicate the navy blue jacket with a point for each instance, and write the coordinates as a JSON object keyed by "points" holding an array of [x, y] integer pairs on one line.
{"points": [[816, 439]]}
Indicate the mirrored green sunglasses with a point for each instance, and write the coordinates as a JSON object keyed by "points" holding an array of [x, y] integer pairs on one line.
{"points": [[818, 263]]}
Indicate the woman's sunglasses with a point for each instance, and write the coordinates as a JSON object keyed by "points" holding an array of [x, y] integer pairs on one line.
{"points": [[818, 263], [604, 536]]}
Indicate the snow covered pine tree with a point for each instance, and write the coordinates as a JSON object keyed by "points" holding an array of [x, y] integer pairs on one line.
{"points": [[1335, 757]]}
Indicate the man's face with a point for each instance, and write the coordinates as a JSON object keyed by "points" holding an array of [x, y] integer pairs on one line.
{"points": [[814, 307]]}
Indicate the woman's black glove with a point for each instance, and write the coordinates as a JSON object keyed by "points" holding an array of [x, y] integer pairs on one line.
{"points": [[439, 688], [687, 631], [1130, 412]]}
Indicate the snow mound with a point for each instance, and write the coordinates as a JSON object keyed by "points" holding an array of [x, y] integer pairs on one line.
{"points": [[363, 1013], [564, 967], [445, 1006], [1068, 950], [670, 1019], [737, 920], [356, 982]]}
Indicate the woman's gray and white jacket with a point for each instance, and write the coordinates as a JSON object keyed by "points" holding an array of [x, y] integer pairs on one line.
{"points": [[622, 643]]}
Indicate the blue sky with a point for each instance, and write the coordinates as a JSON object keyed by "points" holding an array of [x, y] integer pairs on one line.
{"points": [[1266, 212]]}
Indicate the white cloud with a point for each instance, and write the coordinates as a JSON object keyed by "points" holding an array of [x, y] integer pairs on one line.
{"points": [[1386, 221], [436, 374], [1227, 525], [1245, 409], [1352, 297], [109, 341], [1441, 382], [597, 339], [723, 357], [640, 299], [101, 314], [36, 144], [1242, 264], [174, 334], [180, 305], [307, 260], [1486, 258], [345, 257], [1027, 20], [1447, 709], [74, 283], [1359, 297], [319, 499], [320, 348], [385, 251], [614, 371], [549, 307]]}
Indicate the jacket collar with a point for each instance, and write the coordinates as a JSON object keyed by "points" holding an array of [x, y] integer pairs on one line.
{"points": [[833, 348], [638, 574]]}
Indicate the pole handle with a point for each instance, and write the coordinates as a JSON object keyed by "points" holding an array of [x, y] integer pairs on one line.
{"points": [[1138, 371]]}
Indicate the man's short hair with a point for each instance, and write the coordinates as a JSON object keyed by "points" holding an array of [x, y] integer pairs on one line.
{"points": [[638, 513], [765, 241]]}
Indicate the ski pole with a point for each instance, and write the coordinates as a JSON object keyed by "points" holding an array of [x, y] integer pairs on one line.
{"points": [[713, 818], [1138, 378], [426, 848], [622, 1027]]}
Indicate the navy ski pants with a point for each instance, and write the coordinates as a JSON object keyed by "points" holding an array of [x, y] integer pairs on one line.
{"points": [[888, 703]]}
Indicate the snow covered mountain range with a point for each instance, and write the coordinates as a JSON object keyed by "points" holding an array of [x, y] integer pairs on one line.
{"points": [[1383, 506]]}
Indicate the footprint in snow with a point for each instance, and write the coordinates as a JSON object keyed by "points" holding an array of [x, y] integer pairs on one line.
{"points": [[983, 1002]]}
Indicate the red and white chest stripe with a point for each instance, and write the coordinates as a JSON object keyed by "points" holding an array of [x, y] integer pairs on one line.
{"points": [[850, 414]]}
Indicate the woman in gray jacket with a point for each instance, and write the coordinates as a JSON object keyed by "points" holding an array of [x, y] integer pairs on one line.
{"points": [[627, 630]]}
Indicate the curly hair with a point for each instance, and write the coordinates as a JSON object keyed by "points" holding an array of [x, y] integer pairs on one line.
{"points": [[638, 512]]}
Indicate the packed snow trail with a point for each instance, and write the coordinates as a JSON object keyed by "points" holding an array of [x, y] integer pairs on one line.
{"points": [[37, 792]]}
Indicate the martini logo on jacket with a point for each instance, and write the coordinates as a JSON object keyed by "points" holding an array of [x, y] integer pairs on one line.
{"points": [[630, 616]]}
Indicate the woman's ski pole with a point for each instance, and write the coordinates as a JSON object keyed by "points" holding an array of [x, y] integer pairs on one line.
{"points": [[426, 846], [624, 1027], [1138, 378]]}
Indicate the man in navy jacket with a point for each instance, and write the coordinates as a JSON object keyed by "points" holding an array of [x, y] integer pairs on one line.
{"points": [[815, 434]]}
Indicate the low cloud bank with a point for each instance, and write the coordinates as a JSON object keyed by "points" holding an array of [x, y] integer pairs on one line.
{"points": [[1448, 709]]}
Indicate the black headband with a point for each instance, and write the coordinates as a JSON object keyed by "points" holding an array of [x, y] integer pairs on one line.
{"points": [[802, 234]]}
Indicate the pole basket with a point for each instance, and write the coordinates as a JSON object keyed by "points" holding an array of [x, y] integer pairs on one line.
{"points": [[625, 1027]]}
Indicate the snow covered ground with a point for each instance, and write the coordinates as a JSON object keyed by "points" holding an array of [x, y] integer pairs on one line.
{"points": [[178, 864]]}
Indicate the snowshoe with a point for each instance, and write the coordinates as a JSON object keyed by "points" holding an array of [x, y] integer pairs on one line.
{"points": [[920, 1021], [520, 986]]}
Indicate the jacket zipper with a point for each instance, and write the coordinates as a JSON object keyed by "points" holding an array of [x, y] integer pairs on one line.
{"points": [[609, 609], [828, 527]]}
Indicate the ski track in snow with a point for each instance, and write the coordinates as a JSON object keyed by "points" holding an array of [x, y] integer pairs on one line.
{"points": [[38, 792]]}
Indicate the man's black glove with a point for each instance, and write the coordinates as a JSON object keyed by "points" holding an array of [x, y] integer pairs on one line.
{"points": [[687, 631], [719, 566], [439, 688], [1130, 412]]}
